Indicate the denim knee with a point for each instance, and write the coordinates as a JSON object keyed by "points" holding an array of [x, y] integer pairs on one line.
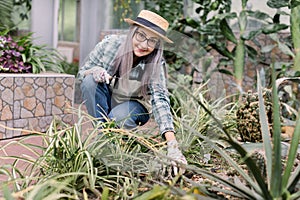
{"points": [[88, 88], [88, 84]]}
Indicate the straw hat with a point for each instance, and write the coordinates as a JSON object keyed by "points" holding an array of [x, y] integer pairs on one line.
{"points": [[153, 22]]}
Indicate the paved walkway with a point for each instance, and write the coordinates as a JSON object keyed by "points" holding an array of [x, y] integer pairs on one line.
{"points": [[13, 147]]}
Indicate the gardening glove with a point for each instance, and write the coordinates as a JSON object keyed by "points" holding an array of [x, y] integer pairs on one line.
{"points": [[176, 156], [100, 75]]}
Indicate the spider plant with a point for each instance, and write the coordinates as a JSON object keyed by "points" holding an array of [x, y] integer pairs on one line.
{"points": [[52, 188], [188, 113], [85, 164], [65, 156]]}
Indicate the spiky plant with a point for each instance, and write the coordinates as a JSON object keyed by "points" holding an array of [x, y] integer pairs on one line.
{"points": [[279, 183]]}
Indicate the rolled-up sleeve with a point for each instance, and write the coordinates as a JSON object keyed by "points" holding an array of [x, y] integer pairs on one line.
{"points": [[161, 103]]}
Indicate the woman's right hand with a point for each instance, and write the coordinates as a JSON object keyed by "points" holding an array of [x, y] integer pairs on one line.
{"points": [[100, 75]]}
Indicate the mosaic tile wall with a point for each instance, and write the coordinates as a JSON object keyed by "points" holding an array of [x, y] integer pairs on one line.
{"points": [[30, 101]]}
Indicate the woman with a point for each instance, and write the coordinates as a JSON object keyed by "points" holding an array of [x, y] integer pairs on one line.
{"points": [[124, 79]]}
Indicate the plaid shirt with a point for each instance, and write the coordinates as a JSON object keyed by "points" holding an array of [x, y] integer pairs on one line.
{"points": [[103, 55]]}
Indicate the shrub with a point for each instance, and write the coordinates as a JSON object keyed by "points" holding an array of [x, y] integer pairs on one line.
{"points": [[11, 56]]}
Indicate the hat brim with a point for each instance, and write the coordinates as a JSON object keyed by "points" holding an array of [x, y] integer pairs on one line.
{"points": [[131, 22]]}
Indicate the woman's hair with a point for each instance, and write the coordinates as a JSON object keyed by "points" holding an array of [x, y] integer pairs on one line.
{"points": [[123, 61]]}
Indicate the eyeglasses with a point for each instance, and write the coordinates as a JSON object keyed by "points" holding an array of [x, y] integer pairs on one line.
{"points": [[141, 37]]}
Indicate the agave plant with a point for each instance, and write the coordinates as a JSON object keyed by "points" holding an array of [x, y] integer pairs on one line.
{"points": [[279, 183]]}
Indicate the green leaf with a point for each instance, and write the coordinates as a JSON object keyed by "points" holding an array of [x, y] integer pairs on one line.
{"points": [[252, 53], [278, 3], [243, 21], [39, 64], [285, 49], [225, 71], [276, 179], [191, 22], [35, 69], [251, 34], [292, 153], [259, 15], [23, 57], [253, 168], [293, 182], [295, 3], [105, 193], [227, 32], [274, 28], [263, 119], [280, 65], [244, 3]]}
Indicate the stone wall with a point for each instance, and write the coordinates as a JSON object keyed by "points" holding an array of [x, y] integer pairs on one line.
{"points": [[30, 101]]}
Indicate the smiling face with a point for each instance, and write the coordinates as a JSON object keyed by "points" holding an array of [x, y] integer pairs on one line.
{"points": [[144, 42]]}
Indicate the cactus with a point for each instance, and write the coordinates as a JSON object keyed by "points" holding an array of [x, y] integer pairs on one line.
{"points": [[248, 116]]}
